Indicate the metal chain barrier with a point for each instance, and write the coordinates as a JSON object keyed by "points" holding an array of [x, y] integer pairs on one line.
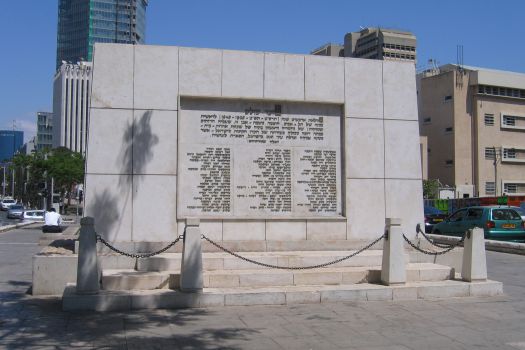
{"points": [[427, 252], [431, 241], [138, 255], [368, 246]]}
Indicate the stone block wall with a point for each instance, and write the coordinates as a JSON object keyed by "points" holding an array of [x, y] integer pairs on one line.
{"points": [[132, 182]]}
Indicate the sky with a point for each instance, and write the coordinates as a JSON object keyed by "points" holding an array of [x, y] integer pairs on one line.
{"points": [[491, 34]]}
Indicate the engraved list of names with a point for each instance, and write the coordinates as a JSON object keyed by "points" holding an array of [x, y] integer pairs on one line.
{"points": [[257, 160]]}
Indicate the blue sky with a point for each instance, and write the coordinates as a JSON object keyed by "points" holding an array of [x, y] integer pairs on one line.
{"points": [[491, 33]]}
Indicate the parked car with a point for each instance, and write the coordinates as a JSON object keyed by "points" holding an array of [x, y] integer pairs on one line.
{"points": [[16, 211], [6, 203], [520, 211], [34, 215], [432, 216], [499, 223]]}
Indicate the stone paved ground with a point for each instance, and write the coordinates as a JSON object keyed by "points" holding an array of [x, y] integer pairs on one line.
{"points": [[463, 323]]}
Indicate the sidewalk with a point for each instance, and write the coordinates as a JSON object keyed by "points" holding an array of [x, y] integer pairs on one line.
{"points": [[463, 323]]}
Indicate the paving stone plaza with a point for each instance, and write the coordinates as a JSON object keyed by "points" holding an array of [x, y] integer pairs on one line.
{"points": [[28, 322]]}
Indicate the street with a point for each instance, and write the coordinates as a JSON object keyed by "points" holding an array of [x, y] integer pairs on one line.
{"points": [[461, 323], [5, 221]]}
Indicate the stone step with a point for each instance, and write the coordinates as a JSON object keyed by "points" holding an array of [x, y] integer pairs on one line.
{"points": [[137, 280], [290, 295], [140, 280], [225, 261]]}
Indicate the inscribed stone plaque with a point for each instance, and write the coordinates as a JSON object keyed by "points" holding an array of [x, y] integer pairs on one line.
{"points": [[253, 159]]}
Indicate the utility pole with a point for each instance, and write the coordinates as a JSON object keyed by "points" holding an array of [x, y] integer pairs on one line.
{"points": [[13, 170], [495, 171], [3, 183]]}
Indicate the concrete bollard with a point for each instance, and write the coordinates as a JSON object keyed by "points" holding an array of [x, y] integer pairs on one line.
{"points": [[88, 281], [393, 270], [474, 258], [191, 267]]}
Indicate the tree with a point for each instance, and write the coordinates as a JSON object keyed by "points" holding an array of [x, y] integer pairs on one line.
{"points": [[66, 168], [430, 189], [34, 171]]}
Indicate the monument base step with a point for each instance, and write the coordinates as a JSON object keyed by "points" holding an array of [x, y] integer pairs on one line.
{"points": [[290, 295], [225, 261], [140, 280]]}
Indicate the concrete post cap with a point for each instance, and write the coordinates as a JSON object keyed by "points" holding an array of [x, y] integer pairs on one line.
{"points": [[192, 222], [88, 220], [393, 222]]}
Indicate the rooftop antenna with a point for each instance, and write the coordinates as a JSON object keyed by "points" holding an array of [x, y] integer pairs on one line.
{"points": [[460, 71]]}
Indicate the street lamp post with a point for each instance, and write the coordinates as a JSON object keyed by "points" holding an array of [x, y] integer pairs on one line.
{"points": [[495, 171]]}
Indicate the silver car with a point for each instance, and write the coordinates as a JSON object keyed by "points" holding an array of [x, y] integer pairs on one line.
{"points": [[34, 215], [15, 211], [7, 203]]}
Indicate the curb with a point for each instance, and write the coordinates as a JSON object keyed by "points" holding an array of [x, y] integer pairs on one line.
{"points": [[492, 245], [12, 227]]}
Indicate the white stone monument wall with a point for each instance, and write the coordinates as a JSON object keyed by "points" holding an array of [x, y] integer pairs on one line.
{"points": [[149, 149]]}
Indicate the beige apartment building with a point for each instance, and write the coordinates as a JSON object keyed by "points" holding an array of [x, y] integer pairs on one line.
{"points": [[474, 120]]}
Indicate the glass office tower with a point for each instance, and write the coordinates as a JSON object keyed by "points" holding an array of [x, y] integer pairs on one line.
{"points": [[81, 23], [10, 142]]}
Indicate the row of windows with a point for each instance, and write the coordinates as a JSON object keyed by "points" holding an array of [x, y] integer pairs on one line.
{"points": [[364, 52], [399, 55], [514, 188], [399, 47], [490, 188], [501, 91], [508, 153], [365, 41]]}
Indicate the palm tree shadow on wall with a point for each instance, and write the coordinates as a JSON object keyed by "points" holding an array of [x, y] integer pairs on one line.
{"points": [[136, 152]]}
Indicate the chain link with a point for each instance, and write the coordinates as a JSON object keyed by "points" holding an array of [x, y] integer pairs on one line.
{"points": [[431, 241], [434, 253], [368, 246], [138, 255]]}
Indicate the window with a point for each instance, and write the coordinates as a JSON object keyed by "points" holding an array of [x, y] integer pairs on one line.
{"points": [[509, 153], [505, 214], [490, 153], [517, 187], [448, 98], [509, 120], [489, 119], [427, 120], [474, 214], [449, 162], [490, 187], [459, 215], [449, 129]]}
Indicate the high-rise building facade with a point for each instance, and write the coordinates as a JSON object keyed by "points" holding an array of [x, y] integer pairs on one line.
{"points": [[374, 43], [44, 131], [71, 91], [474, 119], [82, 23], [381, 44], [10, 142]]}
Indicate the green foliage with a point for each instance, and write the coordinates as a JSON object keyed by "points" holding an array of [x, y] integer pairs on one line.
{"points": [[32, 171], [430, 189], [65, 167]]}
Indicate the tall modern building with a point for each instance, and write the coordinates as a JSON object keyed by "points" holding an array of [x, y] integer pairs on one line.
{"points": [[10, 142], [474, 119], [381, 44], [71, 91], [44, 131], [374, 43], [81, 23]]}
